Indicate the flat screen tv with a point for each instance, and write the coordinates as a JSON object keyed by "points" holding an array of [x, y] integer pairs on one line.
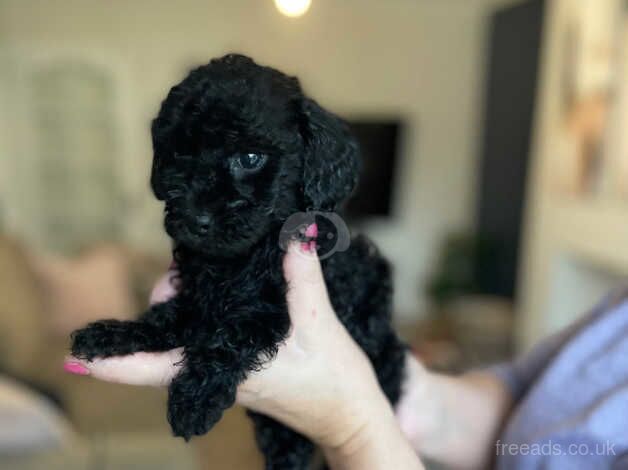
{"points": [[379, 142]]}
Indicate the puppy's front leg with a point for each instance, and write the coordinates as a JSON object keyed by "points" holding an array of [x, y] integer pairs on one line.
{"points": [[155, 330], [203, 389]]}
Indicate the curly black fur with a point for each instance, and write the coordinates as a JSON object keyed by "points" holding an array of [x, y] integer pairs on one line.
{"points": [[224, 211]]}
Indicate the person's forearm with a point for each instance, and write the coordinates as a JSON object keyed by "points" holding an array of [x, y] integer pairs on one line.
{"points": [[459, 418], [378, 446]]}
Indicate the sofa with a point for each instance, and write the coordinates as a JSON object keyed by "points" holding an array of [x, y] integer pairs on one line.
{"points": [[50, 419]]}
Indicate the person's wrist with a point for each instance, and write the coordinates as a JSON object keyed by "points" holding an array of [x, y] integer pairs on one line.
{"points": [[378, 444], [363, 421]]}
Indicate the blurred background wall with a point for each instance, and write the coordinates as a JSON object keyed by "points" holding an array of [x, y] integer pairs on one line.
{"points": [[421, 60]]}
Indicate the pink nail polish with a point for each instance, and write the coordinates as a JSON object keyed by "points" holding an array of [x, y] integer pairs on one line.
{"points": [[313, 247], [75, 368], [305, 247], [312, 231]]}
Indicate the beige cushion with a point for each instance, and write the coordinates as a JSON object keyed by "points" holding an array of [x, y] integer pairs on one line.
{"points": [[91, 287], [21, 308]]}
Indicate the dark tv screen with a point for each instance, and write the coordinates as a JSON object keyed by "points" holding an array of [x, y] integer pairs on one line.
{"points": [[379, 147]]}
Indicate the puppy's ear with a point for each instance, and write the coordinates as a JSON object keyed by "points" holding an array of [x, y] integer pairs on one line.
{"points": [[331, 162]]}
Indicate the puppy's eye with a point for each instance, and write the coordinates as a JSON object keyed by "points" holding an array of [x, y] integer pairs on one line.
{"points": [[250, 161]]}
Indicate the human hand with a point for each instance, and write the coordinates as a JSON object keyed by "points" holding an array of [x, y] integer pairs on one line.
{"points": [[320, 383]]}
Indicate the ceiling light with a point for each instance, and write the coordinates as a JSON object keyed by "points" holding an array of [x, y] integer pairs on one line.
{"points": [[293, 8]]}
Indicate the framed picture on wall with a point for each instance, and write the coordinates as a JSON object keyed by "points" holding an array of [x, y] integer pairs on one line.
{"points": [[619, 136], [588, 90]]}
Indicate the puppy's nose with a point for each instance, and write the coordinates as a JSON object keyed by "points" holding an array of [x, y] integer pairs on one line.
{"points": [[203, 222]]}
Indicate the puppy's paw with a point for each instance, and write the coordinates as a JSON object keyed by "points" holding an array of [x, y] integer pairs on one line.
{"points": [[196, 401], [112, 338], [187, 419]]}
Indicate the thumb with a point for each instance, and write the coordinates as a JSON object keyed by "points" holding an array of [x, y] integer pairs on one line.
{"points": [[307, 293]]}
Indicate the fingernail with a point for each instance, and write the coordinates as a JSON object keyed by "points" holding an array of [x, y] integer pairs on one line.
{"points": [[313, 247], [305, 247], [75, 368], [312, 231]]}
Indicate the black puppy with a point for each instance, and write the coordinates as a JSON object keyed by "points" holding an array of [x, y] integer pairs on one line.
{"points": [[239, 149]]}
